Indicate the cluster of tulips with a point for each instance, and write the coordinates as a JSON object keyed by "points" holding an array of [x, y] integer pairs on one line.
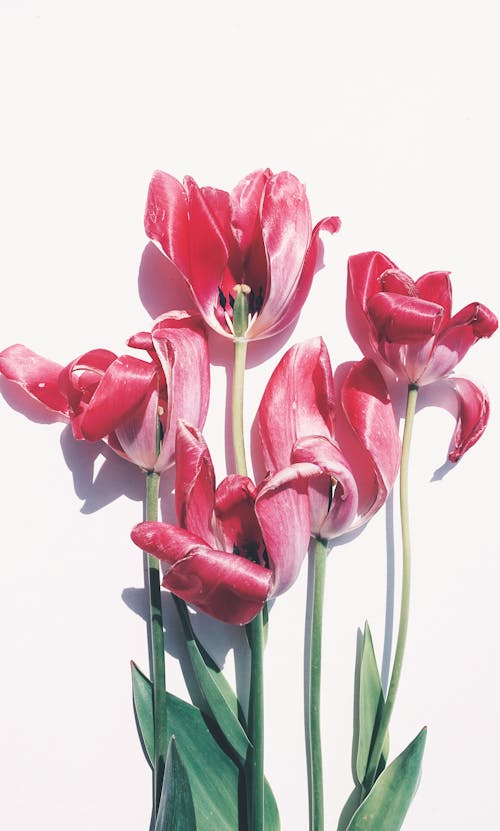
{"points": [[331, 450]]}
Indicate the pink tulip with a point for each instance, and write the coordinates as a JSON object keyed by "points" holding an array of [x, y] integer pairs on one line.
{"points": [[409, 326], [259, 235], [120, 398], [355, 447], [239, 545]]}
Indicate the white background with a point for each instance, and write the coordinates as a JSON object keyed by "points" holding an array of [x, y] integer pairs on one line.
{"points": [[388, 111]]}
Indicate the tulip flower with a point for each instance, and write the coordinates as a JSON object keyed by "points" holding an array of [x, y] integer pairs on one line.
{"points": [[259, 237], [122, 399], [356, 446], [409, 326], [239, 544]]}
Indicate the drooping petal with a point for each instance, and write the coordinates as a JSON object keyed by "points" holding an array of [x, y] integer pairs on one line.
{"points": [[124, 386], [223, 585], [472, 409], [401, 319], [282, 508], [209, 251], [37, 376], [368, 409], [235, 511], [180, 343], [333, 495], [79, 380], [298, 401], [286, 232], [194, 483], [454, 341], [364, 272], [166, 219]]}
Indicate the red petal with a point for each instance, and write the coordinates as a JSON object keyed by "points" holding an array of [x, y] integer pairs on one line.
{"points": [[235, 511], [194, 483], [37, 376], [454, 341], [298, 401], [223, 585], [364, 272], [401, 319], [181, 346], [166, 219], [368, 409], [124, 386], [472, 408], [435, 286]]}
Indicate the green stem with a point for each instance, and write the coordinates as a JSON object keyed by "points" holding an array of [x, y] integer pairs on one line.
{"points": [[254, 629], [240, 354], [405, 593], [313, 725], [157, 646]]}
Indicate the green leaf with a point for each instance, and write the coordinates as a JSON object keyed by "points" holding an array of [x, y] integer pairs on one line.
{"points": [[143, 705], [371, 702], [215, 779], [176, 809], [221, 701], [385, 807]]}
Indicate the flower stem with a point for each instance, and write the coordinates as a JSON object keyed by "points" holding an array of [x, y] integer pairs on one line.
{"points": [[405, 593], [240, 354], [157, 646], [313, 724], [254, 629]]}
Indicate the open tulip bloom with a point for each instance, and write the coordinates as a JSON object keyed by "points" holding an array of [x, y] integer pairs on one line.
{"points": [[259, 236], [125, 399]]}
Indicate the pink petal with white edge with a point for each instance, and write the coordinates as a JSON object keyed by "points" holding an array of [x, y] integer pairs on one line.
{"points": [[37, 376], [223, 585], [181, 346], [166, 219], [334, 513], [368, 409], [194, 484], [286, 232], [298, 401], [282, 507], [472, 409], [136, 433], [246, 200], [126, 384]]}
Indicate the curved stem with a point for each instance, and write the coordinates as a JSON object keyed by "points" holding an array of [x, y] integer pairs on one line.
{"points": [[313, 724], [157, 646], [405, 592], [254, 629]]}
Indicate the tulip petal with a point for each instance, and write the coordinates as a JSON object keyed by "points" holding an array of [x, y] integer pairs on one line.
{"points": [[246, 200], [166, 219], [223, 585], [472, 409], [471, 323], [235, 512], [401, 319], [282, 508], [298, 401], [37, 376], [181, 346], [194, 483], [209, 252], [286, 232], [124, 386], [435, 286], [364, 272], [333, 495], [368, 409]]}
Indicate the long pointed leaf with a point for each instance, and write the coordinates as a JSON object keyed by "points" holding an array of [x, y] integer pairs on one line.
{"points": [[221, 701], [371, 702], [176, 809], [214, 777], [386, 806]]}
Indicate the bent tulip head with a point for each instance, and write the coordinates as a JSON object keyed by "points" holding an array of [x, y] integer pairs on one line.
{"points": [[352, 450], [239, 545], [259, 236], [125, 400], [410, 324], [411, 328]]}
